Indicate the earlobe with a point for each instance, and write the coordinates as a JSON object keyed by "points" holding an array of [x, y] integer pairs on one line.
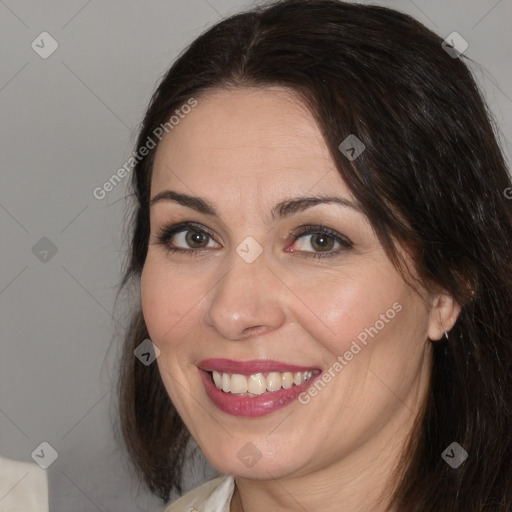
{"points": [[443, 316]]}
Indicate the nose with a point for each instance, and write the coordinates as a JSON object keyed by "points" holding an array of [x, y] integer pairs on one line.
{"points": [[247, 301]]}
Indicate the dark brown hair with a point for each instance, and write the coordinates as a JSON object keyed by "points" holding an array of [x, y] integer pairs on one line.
{"points": [[432, 179]]}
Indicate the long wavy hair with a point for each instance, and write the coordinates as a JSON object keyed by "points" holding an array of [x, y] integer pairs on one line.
{"points": [[432, 179]]}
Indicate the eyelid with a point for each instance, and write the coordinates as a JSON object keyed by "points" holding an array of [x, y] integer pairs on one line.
{"points": [[312, 229], [167, 232], [344, 242]]}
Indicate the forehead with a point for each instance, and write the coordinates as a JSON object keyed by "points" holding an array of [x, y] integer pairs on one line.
{"points": [[248, 138]]}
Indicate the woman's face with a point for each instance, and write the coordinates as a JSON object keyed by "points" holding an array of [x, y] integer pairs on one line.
{"points": [[267, 285]]}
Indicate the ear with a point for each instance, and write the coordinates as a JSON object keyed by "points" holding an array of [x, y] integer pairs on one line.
{"points": [[443, 315]]}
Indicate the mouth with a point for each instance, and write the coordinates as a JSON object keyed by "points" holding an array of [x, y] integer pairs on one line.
{"points": [[254, 388], [258, 384]]}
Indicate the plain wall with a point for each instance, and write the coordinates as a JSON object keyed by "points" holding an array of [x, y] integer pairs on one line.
{"points": [[67, 123]]}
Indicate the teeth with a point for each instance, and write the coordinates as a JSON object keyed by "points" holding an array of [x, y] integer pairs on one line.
{"points": [[257, 384], [226, 383], [217, 378], [238, 384], [287, 380], [273, 381]]}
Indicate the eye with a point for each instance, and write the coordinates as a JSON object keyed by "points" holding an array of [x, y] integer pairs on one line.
{"points": [[319, 241], [193, 238], [186, 237], [312, 241]]}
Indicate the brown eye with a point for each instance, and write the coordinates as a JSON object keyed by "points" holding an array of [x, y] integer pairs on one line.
{"points": [[322, 242], [185, 237], [319, 241], [196, 238]]}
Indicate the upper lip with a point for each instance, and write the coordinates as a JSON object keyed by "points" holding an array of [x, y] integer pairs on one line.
{"points": [[250, 367]]}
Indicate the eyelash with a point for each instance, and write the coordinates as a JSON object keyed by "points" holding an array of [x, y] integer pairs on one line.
{"points": [[165, 235]]}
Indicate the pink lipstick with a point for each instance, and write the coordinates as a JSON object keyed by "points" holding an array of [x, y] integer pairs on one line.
{"points": [[254, 405]]}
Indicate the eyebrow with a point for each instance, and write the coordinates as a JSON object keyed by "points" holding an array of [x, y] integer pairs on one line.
{"points": [[279, 211]]}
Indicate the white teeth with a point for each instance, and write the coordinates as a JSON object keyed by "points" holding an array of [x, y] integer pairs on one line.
{"points": [[238, 384], [226, 383], [257, 384], [273, 381], [287, 380]]}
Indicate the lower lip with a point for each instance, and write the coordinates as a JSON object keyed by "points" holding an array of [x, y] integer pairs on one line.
{"points": [[252, 406]]}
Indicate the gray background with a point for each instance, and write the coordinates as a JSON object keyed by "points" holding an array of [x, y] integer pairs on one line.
{"points": [[68, 123]]}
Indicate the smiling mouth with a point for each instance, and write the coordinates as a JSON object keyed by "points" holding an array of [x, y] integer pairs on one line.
{"points": [[258, 384]]}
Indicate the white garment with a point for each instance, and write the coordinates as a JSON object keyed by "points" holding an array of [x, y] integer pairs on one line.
{"points": [[23, 487], [212, 496]]}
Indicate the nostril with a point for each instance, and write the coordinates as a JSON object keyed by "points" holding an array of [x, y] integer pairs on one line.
{"points": [[255, 330]]}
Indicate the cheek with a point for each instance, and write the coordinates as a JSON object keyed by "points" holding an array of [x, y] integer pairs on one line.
{"points": [[168, 304], [152, 293], [338, 308], [167, 300]]}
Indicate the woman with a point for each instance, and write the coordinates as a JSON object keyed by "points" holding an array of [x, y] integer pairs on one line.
{"points": [[322, 240]]}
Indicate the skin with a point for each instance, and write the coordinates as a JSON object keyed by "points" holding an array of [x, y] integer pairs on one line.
{"points": [[244, 151]]}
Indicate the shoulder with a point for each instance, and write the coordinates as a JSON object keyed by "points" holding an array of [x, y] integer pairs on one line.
{"points": [[212, 496], [23, 485]]}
